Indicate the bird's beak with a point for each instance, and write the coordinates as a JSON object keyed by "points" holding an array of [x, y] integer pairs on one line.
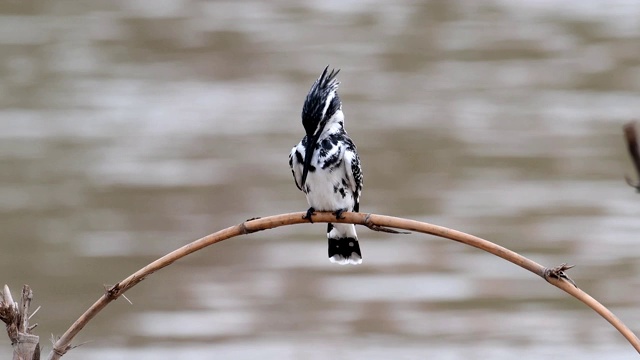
{"points": [[308, 154]]}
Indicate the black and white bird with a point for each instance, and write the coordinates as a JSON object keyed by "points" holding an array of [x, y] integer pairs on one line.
{"points": [[326, 166]]}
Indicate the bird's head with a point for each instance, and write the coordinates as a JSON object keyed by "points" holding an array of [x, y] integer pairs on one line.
{"points": [[322, 104]]}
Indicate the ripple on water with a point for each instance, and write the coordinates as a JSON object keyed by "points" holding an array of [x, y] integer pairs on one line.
{"points": [[397, 288]]}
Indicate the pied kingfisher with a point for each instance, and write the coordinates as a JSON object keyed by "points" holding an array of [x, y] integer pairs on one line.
{"points": [[326, 166]]}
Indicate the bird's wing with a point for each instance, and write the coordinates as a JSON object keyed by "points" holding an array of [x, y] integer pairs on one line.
{"points": [[296, 159], [354, 174]]}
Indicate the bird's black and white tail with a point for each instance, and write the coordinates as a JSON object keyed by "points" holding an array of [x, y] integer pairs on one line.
{"points": [[343, 244]]}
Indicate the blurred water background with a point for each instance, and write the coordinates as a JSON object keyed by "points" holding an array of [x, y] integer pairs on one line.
{"points": [[130, 128]]}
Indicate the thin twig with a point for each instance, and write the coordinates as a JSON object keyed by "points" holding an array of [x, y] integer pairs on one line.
{"points": [[554, 276], [25, 302], [34, 312]]}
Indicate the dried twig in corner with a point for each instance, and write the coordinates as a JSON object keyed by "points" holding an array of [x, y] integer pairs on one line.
{"points": [[16, 317]]}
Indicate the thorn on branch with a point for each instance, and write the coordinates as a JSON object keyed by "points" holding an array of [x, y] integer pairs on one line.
{"points": [[113, 292], [631, 137], [71, 347], [558, 272], [126, 298], [374, 227], [34, 312]]}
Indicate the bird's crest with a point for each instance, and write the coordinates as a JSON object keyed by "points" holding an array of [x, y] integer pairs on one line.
{"points": [[321, 102]]}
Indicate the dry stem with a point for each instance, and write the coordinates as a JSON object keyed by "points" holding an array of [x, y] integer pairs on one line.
{"points": [[26, 346], [554, 276]]}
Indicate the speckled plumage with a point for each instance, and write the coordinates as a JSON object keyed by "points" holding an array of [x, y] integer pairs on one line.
{"points": [[332, 178]]}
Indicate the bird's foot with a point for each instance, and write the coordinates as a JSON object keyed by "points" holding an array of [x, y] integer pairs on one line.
{"points": [[338, 214], [309, 214]]}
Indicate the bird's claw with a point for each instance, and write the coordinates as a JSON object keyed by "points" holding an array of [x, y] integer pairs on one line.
{"points": [[309, 214], [338, 214]]}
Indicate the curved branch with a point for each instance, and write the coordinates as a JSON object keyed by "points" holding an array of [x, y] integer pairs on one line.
{"points": [[554, 276]]}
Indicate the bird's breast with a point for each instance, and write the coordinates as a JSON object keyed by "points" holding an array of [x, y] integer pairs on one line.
{"points": [[328, 189]]}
